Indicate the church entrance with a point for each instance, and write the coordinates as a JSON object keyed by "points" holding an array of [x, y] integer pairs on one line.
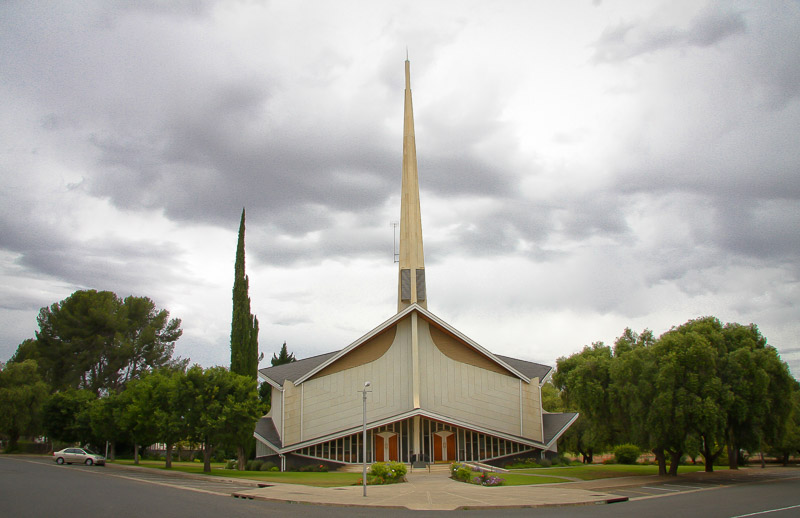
{"points": [[444, 446], [386, 447]]}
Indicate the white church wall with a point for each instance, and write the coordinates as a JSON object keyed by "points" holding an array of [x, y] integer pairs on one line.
{"points": [[332, 403], [467, 392]]}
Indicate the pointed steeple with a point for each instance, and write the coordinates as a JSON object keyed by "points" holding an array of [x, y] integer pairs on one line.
{"points": [[411, 277]]}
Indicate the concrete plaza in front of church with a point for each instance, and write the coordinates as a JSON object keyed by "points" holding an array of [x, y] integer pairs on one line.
{"points": [[437, 492]]}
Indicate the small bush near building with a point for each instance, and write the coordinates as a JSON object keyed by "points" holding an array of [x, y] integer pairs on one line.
{"points": [[269, 466], [460, 472], [627, 453], [386, 473]]}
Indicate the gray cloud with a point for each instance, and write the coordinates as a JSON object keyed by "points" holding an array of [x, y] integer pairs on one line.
{"points": [[631, 39]]}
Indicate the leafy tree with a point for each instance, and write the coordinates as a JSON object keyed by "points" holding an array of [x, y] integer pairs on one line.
{"points": [[169, 403], [244, 325], [22, 394], [789, 442], [66, 416], [137, 413], [761, 389], [551, 398], [105, 416], [96, 341], [282, 357], [222, 408], [584, 379]]}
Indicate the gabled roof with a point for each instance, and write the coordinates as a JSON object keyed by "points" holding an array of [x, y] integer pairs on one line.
{"points": [[530, 369], [277, 375], [265, 428], [553, 425], [299, 371]]}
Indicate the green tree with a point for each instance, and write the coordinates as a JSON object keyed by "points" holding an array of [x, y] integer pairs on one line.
{"points": [[222, 408], [66, 416], [22, 394], [703, 398], [137, 413], [551, 398], [789, 442], [282, 357], [584, 379], [244, 325], [105, 416], [761, 389], [96, 341], [169, 404]]}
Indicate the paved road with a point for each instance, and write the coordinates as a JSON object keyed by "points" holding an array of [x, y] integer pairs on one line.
{"points": [[37, 487]]}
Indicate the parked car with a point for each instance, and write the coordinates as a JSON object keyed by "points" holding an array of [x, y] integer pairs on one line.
{"points": [[81, 455]]}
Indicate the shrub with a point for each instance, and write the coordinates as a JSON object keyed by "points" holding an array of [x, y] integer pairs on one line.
{"points": [[460, 472], [627, 453], [231, 464], [386, 473], [267, 466]]}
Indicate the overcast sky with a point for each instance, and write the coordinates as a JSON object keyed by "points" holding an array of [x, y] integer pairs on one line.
{"points": [[584, 166]]}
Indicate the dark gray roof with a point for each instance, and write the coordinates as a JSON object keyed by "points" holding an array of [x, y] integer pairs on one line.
{"points": [[553, 424], [295, 370], [530, 369], [266, 429]]}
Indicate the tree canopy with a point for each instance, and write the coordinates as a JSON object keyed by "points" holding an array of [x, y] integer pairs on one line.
{"points": [[699, 386], [97, 341], [22, 393]]}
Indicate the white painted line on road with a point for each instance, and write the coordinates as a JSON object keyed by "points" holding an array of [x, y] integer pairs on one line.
{"points": [[767, 511], [661, 489], [685, 487]]}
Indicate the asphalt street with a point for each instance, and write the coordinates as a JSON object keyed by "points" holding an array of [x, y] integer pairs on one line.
{"points": [[37, 487]]}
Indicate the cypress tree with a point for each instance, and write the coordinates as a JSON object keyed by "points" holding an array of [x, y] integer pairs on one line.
{"points": [[244, 325]]}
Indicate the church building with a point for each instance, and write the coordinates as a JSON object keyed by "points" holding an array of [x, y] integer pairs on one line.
{"points": [[436, 395]]}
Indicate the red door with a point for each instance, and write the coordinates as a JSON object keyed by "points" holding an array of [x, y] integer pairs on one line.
{"points": [[379, 457], [393, 448]]}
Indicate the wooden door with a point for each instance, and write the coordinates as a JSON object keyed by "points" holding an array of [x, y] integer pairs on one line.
{"points": [[393, 448], [437, 447], [379, 457], [451, 447]]}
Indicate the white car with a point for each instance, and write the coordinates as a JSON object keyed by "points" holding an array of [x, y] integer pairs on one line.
{"points": [[82, 455]]}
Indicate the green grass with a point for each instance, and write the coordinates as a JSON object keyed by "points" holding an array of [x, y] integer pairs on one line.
{"points": [[332, 479], [598, 471], [514, 479]]}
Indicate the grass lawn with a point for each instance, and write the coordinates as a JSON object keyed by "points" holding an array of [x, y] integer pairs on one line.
{"points": [[597, 471], [514, 479], [332, 479]]}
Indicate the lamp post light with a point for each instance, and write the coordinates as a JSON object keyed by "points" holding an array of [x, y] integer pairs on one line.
{"points": [[364, 442]]}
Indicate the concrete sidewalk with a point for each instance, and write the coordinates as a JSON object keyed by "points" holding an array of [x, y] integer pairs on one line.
{"points": [[433, 491]]}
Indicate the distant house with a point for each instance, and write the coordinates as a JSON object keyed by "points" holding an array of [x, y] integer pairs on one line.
{"points": [[436, 394]]}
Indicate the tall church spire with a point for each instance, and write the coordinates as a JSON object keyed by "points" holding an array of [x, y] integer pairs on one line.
{"points": [[411, 277]]}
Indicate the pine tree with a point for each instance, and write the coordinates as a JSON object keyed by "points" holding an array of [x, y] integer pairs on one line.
{"points": [[244, 325], [283, 357]]}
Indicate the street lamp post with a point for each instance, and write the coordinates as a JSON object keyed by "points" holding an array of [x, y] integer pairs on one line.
{"points": [[364, 442]]}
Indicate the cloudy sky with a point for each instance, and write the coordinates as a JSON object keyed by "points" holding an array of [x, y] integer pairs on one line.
{"points": [[585, 166]]}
